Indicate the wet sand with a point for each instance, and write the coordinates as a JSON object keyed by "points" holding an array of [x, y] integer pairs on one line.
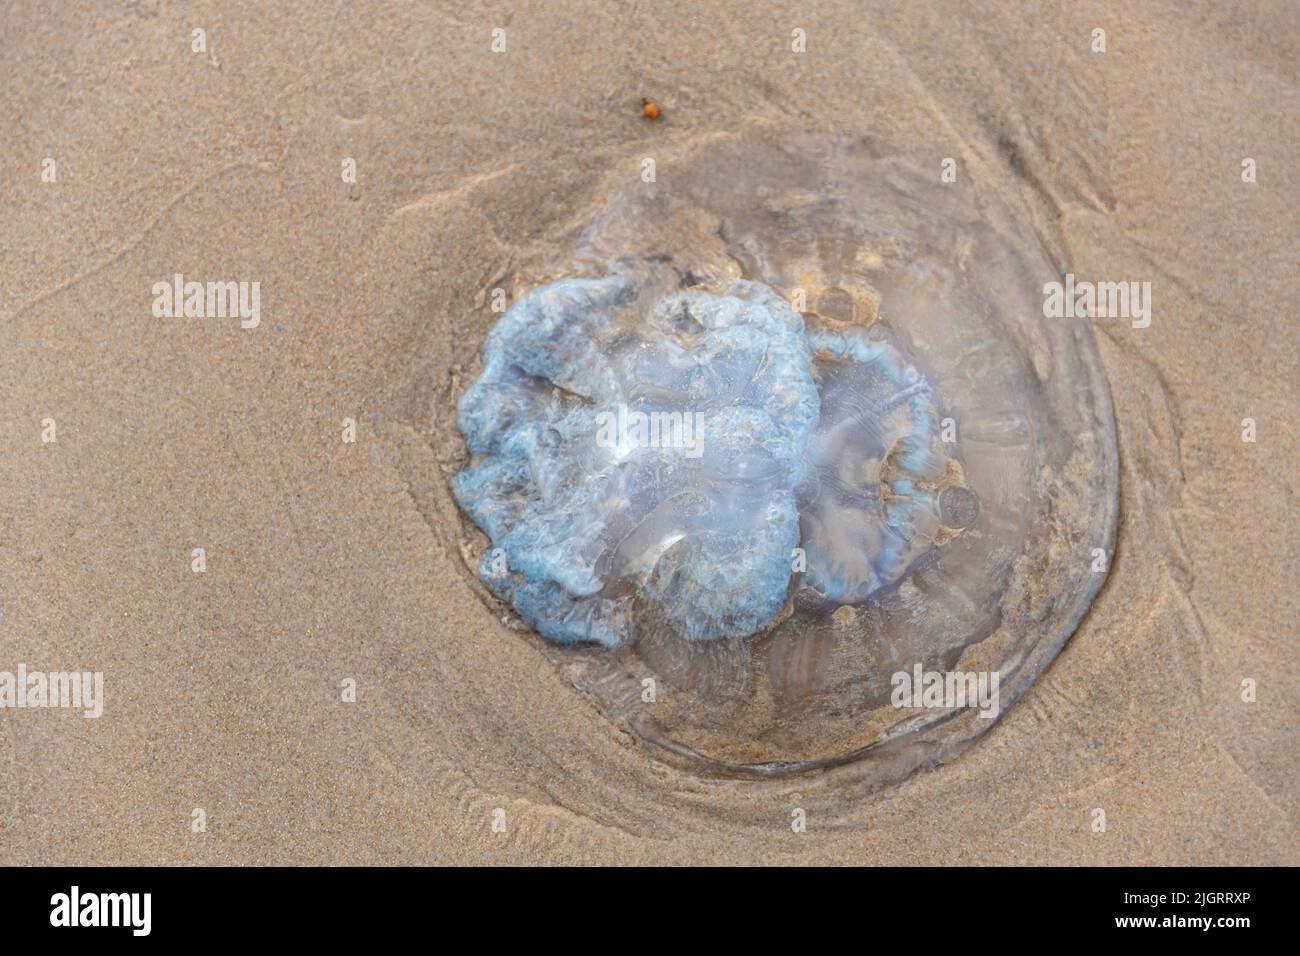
{"points": [[328, 561]]}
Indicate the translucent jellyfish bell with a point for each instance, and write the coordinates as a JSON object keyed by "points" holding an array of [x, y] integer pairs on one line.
{"points": [[793, 426]]}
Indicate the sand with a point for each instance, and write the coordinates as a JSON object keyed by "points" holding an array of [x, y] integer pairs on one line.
{"points": [[329, 561]]}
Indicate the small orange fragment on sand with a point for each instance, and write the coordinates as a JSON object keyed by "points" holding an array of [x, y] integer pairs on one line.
{"points": [[650, 108]]}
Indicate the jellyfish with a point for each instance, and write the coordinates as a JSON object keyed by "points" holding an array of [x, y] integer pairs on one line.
{"points": [[791, 423]]}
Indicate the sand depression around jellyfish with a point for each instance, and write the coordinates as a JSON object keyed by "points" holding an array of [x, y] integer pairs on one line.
{"points": [[787, 425]]}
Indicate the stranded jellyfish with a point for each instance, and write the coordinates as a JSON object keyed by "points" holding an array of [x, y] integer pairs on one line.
{"points": [[789, 439]]}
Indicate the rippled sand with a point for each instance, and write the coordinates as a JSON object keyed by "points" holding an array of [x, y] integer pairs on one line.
{"points": [[329, 561]]}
